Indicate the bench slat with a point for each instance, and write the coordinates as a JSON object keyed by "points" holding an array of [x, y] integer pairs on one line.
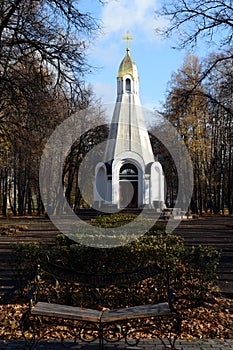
{"points": [[141, 311], [65, 311], [82, 314]]}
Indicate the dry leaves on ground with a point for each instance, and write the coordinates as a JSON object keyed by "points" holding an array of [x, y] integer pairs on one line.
{"points": [[212, 320]]}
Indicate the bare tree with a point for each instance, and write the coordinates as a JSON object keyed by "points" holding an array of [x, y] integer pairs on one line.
{"points": [[200, 20], [211, 22], [90, 137], [203, 118], [54, 31], [193, 20], [219, 90], [189, 113], [37, 109], [42, 66], [29, 114]]}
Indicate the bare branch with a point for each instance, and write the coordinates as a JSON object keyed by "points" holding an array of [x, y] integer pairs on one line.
{"points": [[193, 20]]}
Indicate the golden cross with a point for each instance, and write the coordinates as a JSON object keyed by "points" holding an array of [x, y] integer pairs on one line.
{"points": [[128, 37]]}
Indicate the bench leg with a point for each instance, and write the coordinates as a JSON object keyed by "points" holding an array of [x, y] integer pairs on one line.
{"points": [[27, 326], [101, 337]]}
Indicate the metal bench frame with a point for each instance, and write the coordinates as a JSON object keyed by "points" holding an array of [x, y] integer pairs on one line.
{"points": [[88, 325]]}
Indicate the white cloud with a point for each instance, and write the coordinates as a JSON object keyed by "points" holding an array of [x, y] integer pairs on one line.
{"points": [[118, 16], [107, 51], [121, 15]]}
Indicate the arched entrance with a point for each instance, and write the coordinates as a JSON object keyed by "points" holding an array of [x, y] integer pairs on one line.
{"points": [[128, 186]]}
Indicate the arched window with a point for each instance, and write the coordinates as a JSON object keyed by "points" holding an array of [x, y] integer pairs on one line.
{"points": [[128, 85], [129, 169]]}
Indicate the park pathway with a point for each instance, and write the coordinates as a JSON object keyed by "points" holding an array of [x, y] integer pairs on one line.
{"points": [[214, 231], [211, 344]]}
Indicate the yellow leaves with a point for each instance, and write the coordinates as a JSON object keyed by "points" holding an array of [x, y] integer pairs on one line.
{"points": [[10, 320], [13, 324], [208, 321]]}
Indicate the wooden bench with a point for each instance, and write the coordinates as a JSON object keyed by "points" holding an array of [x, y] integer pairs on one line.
{"points": [[174, 213], [167, 213], [102, 322]]}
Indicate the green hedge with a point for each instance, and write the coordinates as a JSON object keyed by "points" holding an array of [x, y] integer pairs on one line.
{"points": [[192, 270]]}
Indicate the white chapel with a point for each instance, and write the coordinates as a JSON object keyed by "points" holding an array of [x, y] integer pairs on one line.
{"points": [[128, 176]]}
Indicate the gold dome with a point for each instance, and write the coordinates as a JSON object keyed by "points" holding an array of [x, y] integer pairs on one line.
{"points": [[127, 66]]}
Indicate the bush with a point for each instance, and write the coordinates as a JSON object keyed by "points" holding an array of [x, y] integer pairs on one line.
{"points": [[200, 276], [113, 220], [192, 271]]}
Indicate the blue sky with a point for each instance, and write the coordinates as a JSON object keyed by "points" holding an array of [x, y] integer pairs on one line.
{"points": [[155, 58]]}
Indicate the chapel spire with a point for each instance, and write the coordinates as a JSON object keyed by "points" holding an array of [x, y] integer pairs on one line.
{"points": [[128, 175]]}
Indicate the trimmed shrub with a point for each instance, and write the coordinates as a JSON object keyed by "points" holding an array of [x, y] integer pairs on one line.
{"points": [[192, 270]]}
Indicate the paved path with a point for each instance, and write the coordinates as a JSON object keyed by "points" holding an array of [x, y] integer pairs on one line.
{"points": [[211, 344], [216, 231]]}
